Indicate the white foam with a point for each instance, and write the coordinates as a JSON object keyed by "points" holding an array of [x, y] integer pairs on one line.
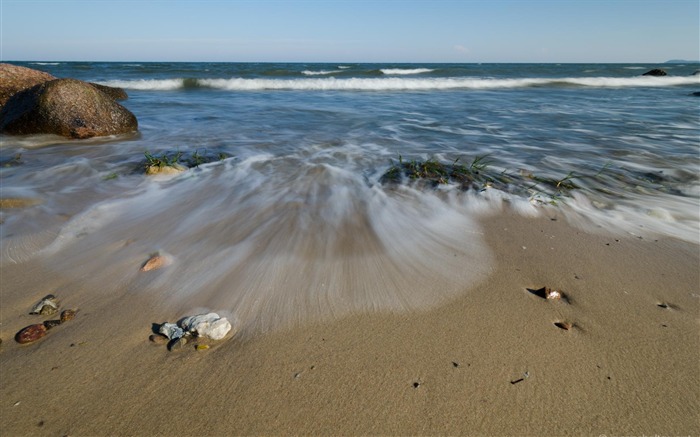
{"points": [[147, 84], [400, 71], [320, 73], [401, 84]]}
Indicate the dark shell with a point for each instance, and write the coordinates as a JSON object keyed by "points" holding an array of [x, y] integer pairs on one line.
{"points": [[67, 315], [51, 323], [31, 333], [46, 306]]}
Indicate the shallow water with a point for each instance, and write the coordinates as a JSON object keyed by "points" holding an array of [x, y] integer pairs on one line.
{"points": [[295, 223]]}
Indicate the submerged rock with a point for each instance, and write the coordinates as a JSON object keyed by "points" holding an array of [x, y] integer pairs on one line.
{"points": [[655, 72], [18, 202], [155, 262], [65, 107]]}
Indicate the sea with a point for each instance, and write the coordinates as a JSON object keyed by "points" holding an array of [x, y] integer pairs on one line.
{"points": [[285, 212]]}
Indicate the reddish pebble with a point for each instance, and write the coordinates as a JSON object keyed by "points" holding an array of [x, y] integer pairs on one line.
{"points": [[67, 315], [155, 262], [31, 333]]}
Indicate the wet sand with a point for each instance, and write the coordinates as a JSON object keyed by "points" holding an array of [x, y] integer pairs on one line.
{"points": [[489, 362]]}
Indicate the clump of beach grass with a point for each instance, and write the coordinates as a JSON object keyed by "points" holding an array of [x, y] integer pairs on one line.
{"points": [[176, 162]]}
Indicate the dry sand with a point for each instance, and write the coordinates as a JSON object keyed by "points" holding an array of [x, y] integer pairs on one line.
{"points": [[491, 362]]}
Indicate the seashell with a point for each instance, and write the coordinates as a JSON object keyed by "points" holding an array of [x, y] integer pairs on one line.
{"points": [[67, 315], [51, 323], [564, 325], [552, 294], [155, 262], [31, 333], [46, 306]]}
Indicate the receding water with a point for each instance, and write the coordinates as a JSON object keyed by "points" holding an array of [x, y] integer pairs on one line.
{"points": [[295, 223]]}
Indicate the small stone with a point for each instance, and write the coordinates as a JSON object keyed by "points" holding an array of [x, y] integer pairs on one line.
{"points": [[158, 339], [564, 325], [171, 331], [67, 315], [51, 323], [31, 333], [207, 325], [155, 262], [178, 344]]}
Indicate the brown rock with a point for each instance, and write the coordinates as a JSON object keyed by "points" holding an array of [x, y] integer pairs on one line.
{"points": [[51, 323], [66, 107], [158, 339], [31, 333], [155, 262], [115, 93], [14, 78], [67, 315]]}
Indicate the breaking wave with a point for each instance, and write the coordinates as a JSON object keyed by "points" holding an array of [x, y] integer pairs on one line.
{"points": [[396, 83], [400, 71]]}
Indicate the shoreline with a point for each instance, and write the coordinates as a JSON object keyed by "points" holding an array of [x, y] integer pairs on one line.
{"points": [[491, 361]]}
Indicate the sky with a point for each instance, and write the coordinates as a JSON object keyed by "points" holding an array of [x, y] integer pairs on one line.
{"points": [[350, 30]]}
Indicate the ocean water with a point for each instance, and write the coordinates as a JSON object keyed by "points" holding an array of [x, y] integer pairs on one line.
{"points": [[291, 220]]}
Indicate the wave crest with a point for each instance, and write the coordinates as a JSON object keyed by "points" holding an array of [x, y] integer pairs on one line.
{"points": [[397, 83]]}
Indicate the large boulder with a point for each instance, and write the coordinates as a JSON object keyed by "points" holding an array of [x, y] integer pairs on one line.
{"points": [[66, 107], [14, 78], [115, 93]]}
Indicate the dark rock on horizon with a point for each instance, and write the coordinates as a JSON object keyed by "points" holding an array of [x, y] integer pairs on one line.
{"points": [[14, 78], [655, 72], [66, 107]]}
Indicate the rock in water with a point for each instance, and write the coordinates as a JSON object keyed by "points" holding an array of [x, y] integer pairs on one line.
{"points": [[31, 333], [66, 107], [155, 262], [14, 79], [655, 72], [207, 325]]}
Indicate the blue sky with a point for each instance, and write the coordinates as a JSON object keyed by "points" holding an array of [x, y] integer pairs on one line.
{"points": [[351, 30]]}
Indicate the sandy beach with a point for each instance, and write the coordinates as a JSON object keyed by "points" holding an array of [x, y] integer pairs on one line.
{"points": [[489, 362]]}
